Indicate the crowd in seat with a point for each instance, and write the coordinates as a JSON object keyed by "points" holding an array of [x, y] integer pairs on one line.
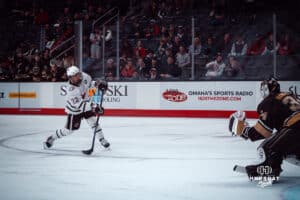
{"points": [[156, 41]]}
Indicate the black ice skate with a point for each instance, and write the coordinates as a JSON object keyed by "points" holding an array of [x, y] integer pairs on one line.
{"points": [[104, 143], [49, 142], [263, 172]]}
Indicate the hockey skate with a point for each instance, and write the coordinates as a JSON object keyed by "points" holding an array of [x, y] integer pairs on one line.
{"points": [[265, 173], [104, 142], [49, 142]]}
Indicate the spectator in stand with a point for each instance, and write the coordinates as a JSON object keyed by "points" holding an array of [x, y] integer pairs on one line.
{"points": [[148, 58], [164, 31], [152, 30], [20, 65], [45, 58], [171, 70], [197, 47], [36, 61], [152, 10], [127, 72], [210, 48], [57, 73], [176, 44], [162, 11], [45, 74], [142, 70], [36, 74], [286, 45], [233, 67], [269, 47], [171, 31], [155, 64], [6, 69], [123, 60], [31, 51], [183, 61], [182, 35], [225, 44], [162, 46], [239, 47], [154, 75], [217, 16], [95, 39], [257, 47], [140, 51], [110, 70], [163, 60], [216, 67], [127, 48], [137, 29], [67, 17], [68, 61]]}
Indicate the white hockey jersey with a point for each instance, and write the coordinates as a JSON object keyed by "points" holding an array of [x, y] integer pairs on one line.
{"points": [[77, 96]]}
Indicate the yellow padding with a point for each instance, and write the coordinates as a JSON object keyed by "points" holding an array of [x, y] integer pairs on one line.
{"points": [[262, 130], [292, 120], [22, 95]]}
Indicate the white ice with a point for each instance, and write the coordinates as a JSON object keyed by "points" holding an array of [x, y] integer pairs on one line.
{"points": [[149, 159]]}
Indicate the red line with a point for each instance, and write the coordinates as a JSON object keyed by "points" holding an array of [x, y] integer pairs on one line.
{"points": [[133, 112]]}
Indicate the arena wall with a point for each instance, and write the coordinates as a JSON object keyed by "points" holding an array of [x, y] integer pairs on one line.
{"points": [[162, 99]]}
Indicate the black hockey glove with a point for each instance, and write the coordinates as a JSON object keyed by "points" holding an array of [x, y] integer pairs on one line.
{"points": [[99, 110]]}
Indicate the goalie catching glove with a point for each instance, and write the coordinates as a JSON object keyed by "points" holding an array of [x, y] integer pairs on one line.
{"points": [[238, 126]]}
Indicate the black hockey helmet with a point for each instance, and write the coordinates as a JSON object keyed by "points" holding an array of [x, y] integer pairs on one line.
{"points": [[269, 86]]}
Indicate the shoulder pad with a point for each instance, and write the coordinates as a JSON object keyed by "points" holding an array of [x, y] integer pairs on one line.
{"points": [[281, 95]]}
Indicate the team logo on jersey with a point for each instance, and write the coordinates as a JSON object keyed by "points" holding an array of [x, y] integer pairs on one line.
{"points": [[71, 88], [174, 96]]}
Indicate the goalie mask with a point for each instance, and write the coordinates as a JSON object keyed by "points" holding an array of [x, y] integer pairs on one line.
{"points": [[269, 86]]}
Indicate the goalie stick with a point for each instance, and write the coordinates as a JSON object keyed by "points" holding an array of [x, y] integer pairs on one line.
{"points": [[95, 96], [240, 169]]}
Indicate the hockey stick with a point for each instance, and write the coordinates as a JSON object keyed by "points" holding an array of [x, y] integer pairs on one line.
{"points": [[90, 151], [240, 169]]}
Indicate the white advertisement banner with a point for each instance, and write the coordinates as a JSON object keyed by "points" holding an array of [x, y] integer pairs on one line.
{"points": [[209, 95], [9, 95], [204, 95], [118, 95], [30, 95]]}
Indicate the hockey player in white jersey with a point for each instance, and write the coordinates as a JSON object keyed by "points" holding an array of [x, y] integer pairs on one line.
{"points": [[78, 106]]}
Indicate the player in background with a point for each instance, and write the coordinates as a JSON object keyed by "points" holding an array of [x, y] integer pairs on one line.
{"points": [[78, 106], [275, 107]]}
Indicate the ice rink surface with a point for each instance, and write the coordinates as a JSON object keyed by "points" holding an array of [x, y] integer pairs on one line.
{"points": [[149, 159]]}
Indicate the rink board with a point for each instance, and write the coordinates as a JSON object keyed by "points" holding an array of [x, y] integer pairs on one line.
{"points": [[182, 99]]}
